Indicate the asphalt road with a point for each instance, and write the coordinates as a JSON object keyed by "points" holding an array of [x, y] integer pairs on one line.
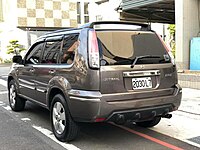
{"points": [[31, 129]]}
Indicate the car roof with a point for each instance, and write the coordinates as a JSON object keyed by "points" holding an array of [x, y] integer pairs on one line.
{"points": [[143, 27]]}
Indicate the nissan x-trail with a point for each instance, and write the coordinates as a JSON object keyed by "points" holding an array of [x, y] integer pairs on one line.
{"points": [[101, 72]]}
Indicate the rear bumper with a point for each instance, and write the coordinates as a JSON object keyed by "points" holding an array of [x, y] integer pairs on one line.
{"points": [[88, 106], [141, 114]]}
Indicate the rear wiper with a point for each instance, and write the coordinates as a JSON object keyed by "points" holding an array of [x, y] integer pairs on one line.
{"points": [[141, 57]]}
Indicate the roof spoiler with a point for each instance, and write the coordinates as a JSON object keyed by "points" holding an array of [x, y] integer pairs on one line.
{"points": [[92, 24]]}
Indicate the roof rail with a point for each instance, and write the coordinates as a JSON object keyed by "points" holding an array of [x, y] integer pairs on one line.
{"points": [[92, 24], [62, 30]]}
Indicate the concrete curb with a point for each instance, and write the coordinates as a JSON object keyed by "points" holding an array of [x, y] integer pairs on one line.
{"points": [[187, 80], [5, 64]]}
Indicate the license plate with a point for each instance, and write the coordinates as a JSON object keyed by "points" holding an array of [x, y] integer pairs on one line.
{"points": [[142, 83]]}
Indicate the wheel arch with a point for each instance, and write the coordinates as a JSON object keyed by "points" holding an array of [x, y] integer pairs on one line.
{"points": [[57, 85], [52, 93], [9, 79]]}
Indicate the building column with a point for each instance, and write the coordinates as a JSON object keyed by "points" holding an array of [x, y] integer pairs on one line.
{"points": [[187, 27]]}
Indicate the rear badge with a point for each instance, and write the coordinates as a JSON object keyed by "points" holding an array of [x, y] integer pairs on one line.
{"points": [[111, 79], [168, 75]]}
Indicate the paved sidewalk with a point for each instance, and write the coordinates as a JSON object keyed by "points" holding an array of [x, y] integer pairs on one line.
{"points": [[190, 101], [4, 69], [189, 79]]}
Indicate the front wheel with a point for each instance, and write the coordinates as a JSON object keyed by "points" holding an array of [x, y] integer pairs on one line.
{"points": [[63, 126], [16, 103], [149, 123]]}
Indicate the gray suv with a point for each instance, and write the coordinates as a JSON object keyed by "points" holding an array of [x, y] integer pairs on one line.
{"points": [[103, 71]]}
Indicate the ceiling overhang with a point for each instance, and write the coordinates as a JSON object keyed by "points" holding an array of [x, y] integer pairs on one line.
{"points": [[158, 11]]}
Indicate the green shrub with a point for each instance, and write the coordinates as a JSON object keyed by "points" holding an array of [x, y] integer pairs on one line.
{"points": [[8, 61], [1, 60]]}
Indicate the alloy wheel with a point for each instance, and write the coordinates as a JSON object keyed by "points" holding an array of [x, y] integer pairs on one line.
{"points": [[59, 118], [12, 95]]}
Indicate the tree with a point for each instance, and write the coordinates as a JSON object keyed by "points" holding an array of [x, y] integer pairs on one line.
{"points": [[172, 31], [14, 47]]}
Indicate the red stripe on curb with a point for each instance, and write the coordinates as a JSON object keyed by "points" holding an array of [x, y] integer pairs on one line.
{"points": [[149, 137]]}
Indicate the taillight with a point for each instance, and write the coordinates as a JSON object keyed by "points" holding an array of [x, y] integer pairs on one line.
{"points": [[168, 49], [93, 49]]}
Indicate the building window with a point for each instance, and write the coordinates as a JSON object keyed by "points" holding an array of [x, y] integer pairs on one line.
{"points": [[78, 12], [86, 12], [82, 12]]}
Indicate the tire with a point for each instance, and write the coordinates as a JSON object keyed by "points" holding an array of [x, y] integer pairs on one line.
{"points": [[63, 126], [16, 103], [149, 123]]}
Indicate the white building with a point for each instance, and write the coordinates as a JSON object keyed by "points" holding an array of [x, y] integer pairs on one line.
{"points": [[25, 20]]}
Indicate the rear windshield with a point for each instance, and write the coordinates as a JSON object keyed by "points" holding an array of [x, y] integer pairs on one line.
{"points": [[123, 47]]}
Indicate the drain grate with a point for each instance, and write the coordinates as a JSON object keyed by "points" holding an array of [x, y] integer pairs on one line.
{"points": [[195, 139]]}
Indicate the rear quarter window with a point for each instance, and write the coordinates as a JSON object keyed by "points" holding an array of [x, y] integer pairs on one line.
{"points": [[69, 48]]}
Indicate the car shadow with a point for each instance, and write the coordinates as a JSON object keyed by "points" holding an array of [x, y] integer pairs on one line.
{"points": [[92, 135], [102, 135]]}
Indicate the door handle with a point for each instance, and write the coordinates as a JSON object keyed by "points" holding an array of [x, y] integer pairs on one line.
{"points": [[52, 71]]}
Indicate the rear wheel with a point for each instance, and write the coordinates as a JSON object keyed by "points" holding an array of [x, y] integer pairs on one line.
{"points": [[16, 103], [149, 123], [63, 126]]}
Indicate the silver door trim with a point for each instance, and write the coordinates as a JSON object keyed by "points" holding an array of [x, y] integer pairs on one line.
{"points": [[27, 86]]}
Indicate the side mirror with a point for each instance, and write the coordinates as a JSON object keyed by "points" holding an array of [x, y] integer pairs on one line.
{"points": [[17, 59]]}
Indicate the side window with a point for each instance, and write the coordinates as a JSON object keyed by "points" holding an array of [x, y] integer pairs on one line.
{"points": [[34, 56], [70, 45], [51, 52]]}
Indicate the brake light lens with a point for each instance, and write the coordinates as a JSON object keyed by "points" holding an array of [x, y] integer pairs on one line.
{"points": [[168, 50], [93, 49]]}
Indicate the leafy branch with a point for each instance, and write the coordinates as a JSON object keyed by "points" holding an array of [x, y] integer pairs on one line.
{"points": [[14, 47], [172, 31]]}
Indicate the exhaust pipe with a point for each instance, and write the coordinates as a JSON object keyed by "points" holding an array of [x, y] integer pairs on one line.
{"points": [[120, 119], [168, 116]]}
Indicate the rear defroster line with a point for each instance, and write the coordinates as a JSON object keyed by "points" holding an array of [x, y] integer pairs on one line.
{"points": [[173, 147]]}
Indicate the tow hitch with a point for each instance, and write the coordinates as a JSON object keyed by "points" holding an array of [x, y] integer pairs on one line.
{"points": [[168, 116]]}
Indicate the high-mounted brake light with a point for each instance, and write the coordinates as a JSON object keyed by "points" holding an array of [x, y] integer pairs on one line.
{"points": [[168, 49], [93, 49]]}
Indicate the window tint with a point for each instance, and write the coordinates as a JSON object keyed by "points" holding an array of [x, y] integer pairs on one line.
{"points": [[35, 53], [122, 47], [51, 52], [70, 45]]}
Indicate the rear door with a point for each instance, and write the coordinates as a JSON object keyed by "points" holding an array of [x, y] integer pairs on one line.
{"points": [[134, 62]]}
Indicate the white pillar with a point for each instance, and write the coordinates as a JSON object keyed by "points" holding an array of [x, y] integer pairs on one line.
{"points": [[187, 27]]}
